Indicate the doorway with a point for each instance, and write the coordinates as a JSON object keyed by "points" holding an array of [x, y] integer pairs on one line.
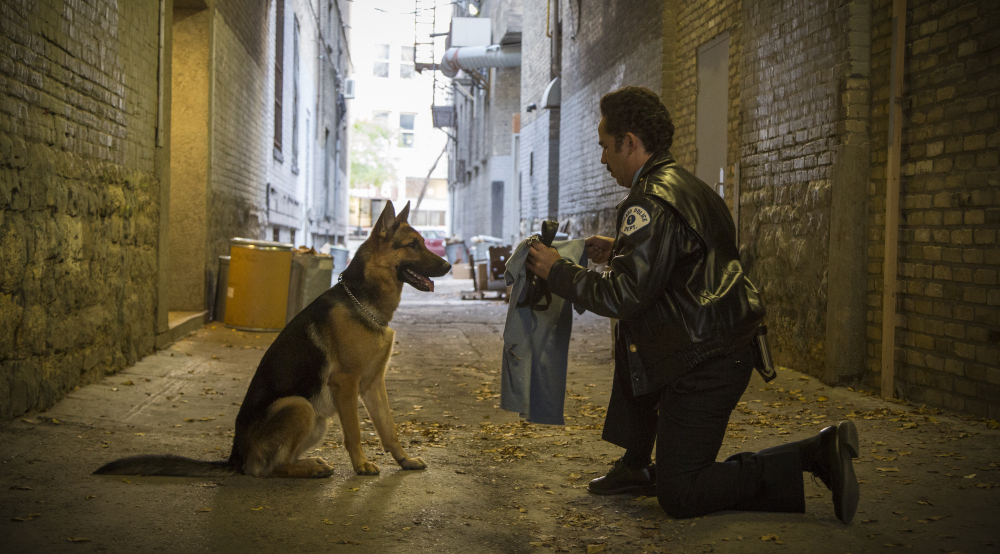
{"points": [[712, 112], [188, 289]]}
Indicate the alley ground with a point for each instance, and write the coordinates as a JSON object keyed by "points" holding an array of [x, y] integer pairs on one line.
{"points": [[930, 480]]}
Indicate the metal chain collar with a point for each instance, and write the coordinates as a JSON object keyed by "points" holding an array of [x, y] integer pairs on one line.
{"points": [[340, 279]]}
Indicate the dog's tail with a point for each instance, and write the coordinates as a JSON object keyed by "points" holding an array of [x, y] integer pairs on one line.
{"points": [[167, 464]]}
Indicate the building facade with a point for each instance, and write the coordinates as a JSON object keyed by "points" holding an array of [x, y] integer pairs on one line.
{"points": [[397, 149], [137, 138]]}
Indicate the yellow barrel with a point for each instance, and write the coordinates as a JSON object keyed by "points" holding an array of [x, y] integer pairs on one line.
{"points": [[257, 294]]}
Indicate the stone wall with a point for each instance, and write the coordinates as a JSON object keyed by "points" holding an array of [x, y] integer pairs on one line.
{"points": [[947, 328], [79, 194]]}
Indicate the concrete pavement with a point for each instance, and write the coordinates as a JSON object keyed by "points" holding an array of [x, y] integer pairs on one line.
{"points": [[930, 480]]}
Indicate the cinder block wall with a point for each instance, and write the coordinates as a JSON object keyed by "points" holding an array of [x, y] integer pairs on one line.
{"points": [[615, 44], [947, 328], [79, 197]]}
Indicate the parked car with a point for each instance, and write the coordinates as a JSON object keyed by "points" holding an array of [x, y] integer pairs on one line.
{"points": [[434, 239]]}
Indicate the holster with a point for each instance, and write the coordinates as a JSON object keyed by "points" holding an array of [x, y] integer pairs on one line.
{"points": [[764, 365], [538, 288]]}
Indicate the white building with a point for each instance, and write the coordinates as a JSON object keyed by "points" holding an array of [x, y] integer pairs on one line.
{"points": [[307, 156], [393, 99]]}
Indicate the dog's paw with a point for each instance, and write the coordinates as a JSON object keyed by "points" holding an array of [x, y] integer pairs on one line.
{"points": [[322, 471], [367, 468], [413, 463]]}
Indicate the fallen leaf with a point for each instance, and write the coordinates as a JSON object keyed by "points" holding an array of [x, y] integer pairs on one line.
{"points": [[128, 383], [364, 528], [77, 539], [887, 468], [354, 489], [257, 509], [327, 521], [140, 434], [204, 509], [822, 399], [769, 538], [970, 476], [594, 548], [126, 481], [20, 488], [89, 496], [407, 528], [28, 517], [56, 421], [925, 502]]}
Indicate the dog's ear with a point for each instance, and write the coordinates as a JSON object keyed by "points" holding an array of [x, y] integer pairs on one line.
{"points": [[386, 223], [403, 215]]}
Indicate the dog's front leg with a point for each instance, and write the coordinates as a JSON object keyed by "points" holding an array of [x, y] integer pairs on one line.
{"points": [[377, 403], [347, 409]]}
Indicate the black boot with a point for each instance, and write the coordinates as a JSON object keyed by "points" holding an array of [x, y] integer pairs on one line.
{"points": [[623, 479], [832, 464], [828, 457]]}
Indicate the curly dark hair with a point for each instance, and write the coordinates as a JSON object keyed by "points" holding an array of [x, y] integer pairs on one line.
{"points": [[637, 110]]}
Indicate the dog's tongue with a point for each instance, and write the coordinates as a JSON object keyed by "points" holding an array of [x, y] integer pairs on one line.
{"points": [[429, 283]]}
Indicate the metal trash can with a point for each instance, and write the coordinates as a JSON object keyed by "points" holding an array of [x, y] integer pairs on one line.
{"points": [[219, 309], [311, 276], [340, 256], [456, 253], [257, 292]]}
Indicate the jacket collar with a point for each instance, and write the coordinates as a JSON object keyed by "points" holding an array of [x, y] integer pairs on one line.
{"points": [[656, 161]]}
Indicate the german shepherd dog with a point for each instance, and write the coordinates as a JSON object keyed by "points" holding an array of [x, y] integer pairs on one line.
{"points": [[336, 349]]}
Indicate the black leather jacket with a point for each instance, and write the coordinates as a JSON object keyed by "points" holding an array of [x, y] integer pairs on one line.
{"points": [[674, 281]]}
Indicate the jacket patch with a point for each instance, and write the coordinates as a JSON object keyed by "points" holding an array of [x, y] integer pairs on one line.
{"points": [[635, 218]]}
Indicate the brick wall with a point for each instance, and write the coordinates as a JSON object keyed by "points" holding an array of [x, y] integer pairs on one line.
{"points": [[536, 72], [616, 44], [947, 328], [79, 197], [241, 119], [788, 110]]}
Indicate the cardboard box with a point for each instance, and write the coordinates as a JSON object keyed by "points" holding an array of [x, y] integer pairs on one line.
{"points": [[461, 271]]}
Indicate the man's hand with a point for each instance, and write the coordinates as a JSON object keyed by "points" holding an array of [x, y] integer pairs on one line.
{"points": [[599, 249], [541, 258]]}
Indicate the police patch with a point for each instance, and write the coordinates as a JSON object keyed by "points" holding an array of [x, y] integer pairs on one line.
{"points": [[635, 218]]}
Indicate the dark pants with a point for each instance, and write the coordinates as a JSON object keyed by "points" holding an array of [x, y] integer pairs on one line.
{"points": [[687, 420]]}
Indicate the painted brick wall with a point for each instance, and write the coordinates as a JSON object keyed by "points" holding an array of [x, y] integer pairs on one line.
{"points": [[242, 115], [79, 199], [615, 44], [947, 328], [536, 72]]}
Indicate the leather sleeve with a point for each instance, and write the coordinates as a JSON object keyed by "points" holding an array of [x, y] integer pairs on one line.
{"points": [[638, 272]]}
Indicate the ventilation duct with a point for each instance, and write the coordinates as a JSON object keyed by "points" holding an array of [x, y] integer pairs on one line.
{"points": [[480, 57]]}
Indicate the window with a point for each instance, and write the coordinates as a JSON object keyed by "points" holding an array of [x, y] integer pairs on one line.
{"points": [[430, 218], [381, 60], [279, 79], [406, 62], [380, 118], [406, 129]]}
